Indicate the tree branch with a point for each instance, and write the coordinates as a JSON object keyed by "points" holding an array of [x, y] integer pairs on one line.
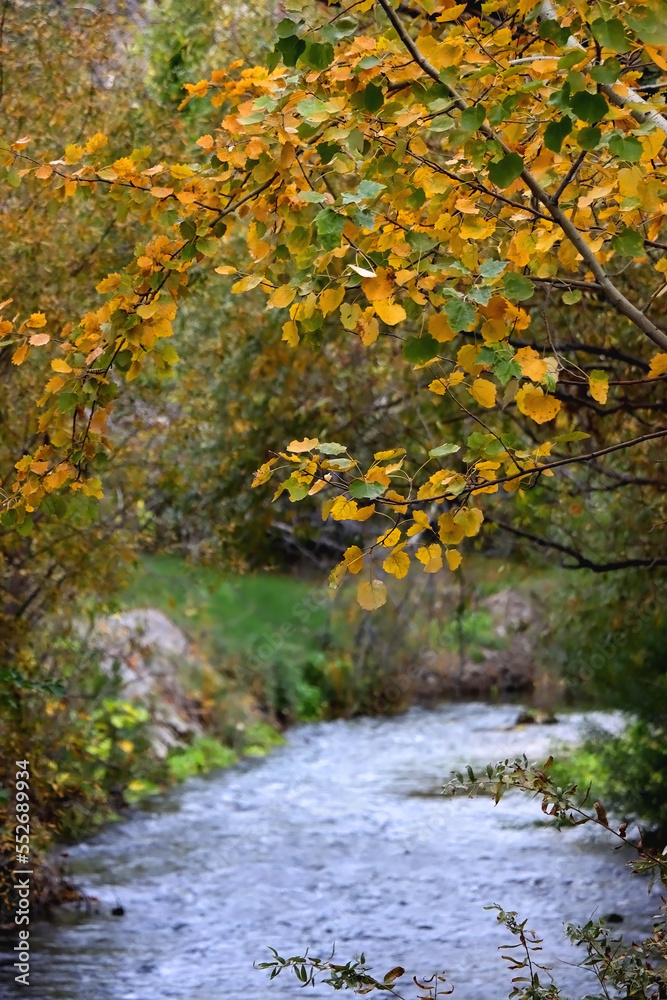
{"points": [[615, 297]]}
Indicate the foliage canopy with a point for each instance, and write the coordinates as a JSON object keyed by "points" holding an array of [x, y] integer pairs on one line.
{"points": [[473, 193]]}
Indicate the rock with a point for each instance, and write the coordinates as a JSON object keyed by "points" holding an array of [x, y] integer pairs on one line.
{"points": [[506, 663], [147, 652], [530, 718]]}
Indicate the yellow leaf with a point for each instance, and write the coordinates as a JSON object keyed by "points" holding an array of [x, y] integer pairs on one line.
{"points": [[245, 284], [60, 365], [379, 287], [438, 386], [397, 502], [474, 227], [343, 509], [397, 564], [658, 365], [264, 473], [330, 299], [354, 559], [439, 328], [531, 364], [96, 142], [452, 13], [454, 558], [73, 153], [20, 354], [431, 557], [466, 359], [384, 456], [291, 333], [36, 321], [308, 444], [108, 284], [598, 385], [450, 532], [39, 339], [363, 513], [470, 519], [336, 575], [281, 297], [55, 384], [371, 595], [390, 538], [225, 269], [369, 328], [390, 312], [483, 392], [533, 403]]}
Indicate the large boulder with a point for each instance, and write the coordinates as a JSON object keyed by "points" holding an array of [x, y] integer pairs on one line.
{"points": [[149, 653]]}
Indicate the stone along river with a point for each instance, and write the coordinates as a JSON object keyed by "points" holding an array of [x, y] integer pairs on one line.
{"points": [[338, 837]]}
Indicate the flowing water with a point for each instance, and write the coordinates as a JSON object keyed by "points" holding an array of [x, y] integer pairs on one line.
{"points": [[338, 837]]}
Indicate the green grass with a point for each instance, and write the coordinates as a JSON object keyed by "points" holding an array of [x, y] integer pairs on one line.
{"points": [[231, 613]]}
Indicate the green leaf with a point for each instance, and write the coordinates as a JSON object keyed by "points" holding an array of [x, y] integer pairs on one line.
{"points": [[473, 118], [626, 147], [588, 137], [628, 242], [421, 242], [207, 246], [569, 298], [506, 170], [327, 151], [610, 34], [589, 107], [287, 27], [318, 56], [365, 491], [444, 449], [492, 268], [373, 98], [188, 229], [608, 72], [556, 132], [650, 23], [290, 48], [553, 32], [330, 226], [331, 448], [518, 287], [505, 369], [419, 350], [461, 315], [311, 106]]}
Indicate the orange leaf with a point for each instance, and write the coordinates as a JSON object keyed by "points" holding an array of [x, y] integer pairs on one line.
{"points": [[20, 354], [36, 321]]}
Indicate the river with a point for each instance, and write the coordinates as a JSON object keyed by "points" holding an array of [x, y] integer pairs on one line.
{"points": [[338, 837]]}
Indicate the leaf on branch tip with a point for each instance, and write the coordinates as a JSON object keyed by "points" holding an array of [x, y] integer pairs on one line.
{"points": [[371, 595]]}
